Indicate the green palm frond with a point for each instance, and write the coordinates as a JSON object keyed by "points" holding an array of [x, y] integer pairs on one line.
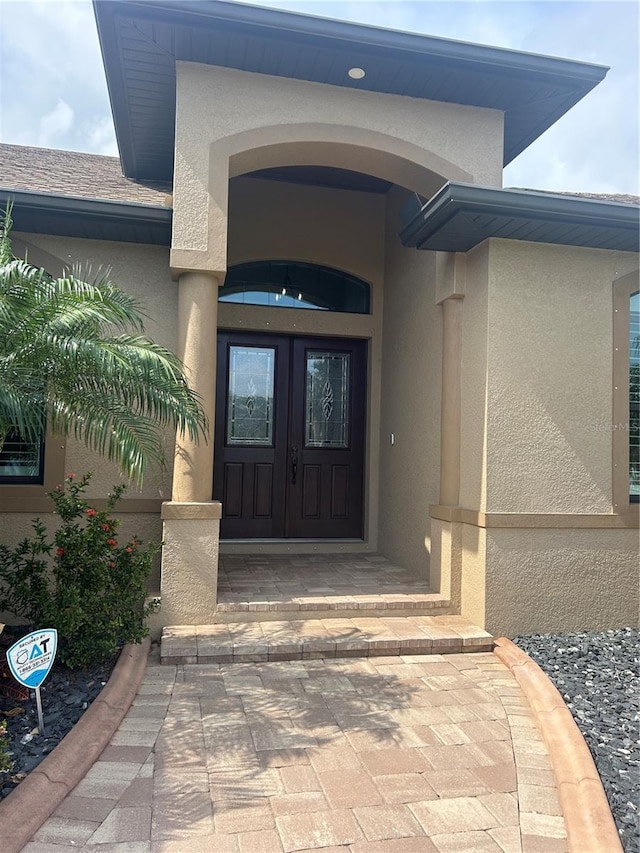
{"points": [[72, 350]]}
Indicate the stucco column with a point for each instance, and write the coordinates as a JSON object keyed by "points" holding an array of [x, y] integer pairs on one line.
{"points": [[191, 520], [451, 401], [197, 328], [446, 533]]}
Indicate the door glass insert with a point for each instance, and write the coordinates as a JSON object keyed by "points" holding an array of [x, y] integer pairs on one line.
{"points": [[327, 399], [250, 395]]}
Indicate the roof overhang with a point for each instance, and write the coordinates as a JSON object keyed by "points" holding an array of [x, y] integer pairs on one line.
{"points": [[141, 40], [45, 213], [460, 216]]}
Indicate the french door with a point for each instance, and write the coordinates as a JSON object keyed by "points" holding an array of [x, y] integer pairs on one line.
{"points": [[290, 427]]}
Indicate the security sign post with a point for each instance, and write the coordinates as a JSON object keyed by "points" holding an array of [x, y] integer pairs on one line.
{"points": [[30, 660]]}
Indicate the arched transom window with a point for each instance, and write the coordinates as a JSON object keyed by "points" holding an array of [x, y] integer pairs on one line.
{"points": [[292, 284]]}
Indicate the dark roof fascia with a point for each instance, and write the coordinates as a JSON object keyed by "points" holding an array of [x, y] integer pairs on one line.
{"points": [[575, 77], [447, 222], [89, 217]]}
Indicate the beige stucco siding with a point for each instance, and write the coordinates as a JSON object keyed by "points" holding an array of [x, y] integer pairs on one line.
{"points": [[549, 374], [536, 439], [343, 229], [561, 580], [474, 381], [410, 399], [474, 571], [232, 122]]}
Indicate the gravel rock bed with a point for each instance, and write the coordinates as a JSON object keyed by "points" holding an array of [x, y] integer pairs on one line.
{"points": [[66, 695], [598, 675]]}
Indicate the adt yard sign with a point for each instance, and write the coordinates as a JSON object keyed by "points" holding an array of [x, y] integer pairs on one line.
{"points": [[31, 658]]}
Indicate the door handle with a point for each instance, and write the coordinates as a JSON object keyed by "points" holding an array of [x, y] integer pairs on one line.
{"points": [[294, 465]]}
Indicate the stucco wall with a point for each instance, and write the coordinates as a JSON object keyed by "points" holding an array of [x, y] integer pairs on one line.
{"points": [[343, 229], [561, 580], [473, 386], [537, 443], [232, 122], [549, 372], [410, 399]]}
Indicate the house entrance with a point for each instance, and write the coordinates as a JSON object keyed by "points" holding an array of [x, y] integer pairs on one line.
{"points": [[290, 421]]}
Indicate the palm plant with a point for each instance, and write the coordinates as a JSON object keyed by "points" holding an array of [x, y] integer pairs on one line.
{"points": [[73, 356]]}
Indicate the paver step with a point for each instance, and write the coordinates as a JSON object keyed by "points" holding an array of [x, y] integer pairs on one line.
{"points": [[247, 608], [321, 638]]}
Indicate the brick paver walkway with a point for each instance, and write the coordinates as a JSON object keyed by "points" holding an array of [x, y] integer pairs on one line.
{"points": [[403, 754], [290, 576]]}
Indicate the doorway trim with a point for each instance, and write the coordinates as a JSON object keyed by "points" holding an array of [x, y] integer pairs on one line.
{"points": [[251, 318]]}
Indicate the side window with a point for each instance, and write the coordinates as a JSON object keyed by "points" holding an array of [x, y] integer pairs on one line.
{"points": [[21, 462], [28, 470], [626, 392], [634, 397]]}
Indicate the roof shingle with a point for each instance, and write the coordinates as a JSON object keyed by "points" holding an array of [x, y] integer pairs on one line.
{"points": [[76, 174]]}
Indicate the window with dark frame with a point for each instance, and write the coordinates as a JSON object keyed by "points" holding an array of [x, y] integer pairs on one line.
{"points": [[294, 284], [634, 397], [21, 462]]}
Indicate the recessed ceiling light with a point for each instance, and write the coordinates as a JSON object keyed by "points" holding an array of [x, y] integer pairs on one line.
{"points": [[356, 73]]}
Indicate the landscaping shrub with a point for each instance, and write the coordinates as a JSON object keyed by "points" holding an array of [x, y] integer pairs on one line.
{"points": [[81, 581]]}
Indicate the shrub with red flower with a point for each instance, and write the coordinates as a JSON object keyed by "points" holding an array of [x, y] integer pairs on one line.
{"points": [[82, 582]]}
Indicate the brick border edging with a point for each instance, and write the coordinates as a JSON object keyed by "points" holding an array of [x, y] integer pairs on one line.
{"points": [[588, 819], [35, 799]]}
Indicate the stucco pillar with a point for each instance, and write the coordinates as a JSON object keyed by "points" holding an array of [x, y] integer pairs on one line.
{"points": [[197, 328], [446, 532], [191, 520], [451, 401]]}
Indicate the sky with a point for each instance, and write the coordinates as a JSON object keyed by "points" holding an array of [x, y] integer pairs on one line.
{"points": [[53, 91]]}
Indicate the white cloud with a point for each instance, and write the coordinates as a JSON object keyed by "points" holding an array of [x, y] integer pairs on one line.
{"points": [[100, 135], [55, 124], [49, 53]]}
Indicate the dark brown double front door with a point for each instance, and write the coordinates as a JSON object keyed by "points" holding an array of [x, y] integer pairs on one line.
{"points": [[290, 418]]}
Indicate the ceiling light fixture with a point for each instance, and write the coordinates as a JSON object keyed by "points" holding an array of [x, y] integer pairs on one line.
{"points": [[356, 73]]}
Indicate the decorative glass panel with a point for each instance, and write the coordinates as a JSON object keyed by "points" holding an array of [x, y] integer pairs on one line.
{"points": [[634, 398], [327, 399], [250, 401]]}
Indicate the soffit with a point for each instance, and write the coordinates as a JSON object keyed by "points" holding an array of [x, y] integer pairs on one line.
{"points": [[460, 216], [141, 42], [324, 176]]}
